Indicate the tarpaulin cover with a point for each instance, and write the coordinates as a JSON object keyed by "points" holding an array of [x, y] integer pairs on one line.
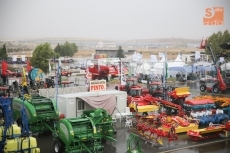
{"points": [[107, 102], [199, 102]]}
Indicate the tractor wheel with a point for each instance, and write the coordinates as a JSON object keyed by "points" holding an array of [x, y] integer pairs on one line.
{"points": [[116, 87], [59, 146], [203, 88], [215, 89], [106, 78]]}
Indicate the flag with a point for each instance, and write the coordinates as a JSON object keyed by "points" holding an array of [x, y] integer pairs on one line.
{"points": [[4, 68], [49, 67], [166, 69], [28, 66], [122, 76]]}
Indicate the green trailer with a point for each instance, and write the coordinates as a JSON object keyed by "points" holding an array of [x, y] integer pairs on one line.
{"points": [[85, 133], [41, 112]]}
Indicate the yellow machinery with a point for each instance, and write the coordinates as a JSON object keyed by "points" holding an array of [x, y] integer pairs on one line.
{"points": [[12, 138]]}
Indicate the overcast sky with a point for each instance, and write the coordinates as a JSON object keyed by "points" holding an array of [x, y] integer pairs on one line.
{"points": [[108, 19]]}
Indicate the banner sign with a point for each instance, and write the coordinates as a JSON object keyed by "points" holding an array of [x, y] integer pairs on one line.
{"points": [[197, 55], [97, 85], [123, 79]]}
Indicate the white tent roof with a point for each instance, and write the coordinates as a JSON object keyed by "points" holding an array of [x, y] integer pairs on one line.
{"points": [[144, 68], [178, 58], [202, 63]]}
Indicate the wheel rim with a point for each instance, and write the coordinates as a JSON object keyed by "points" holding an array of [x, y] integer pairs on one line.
{"points": [[202, 88], [56, 147], [215, 89]]}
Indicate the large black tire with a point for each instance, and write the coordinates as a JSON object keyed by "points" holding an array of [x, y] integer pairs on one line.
{"points": [[215, 89], [203, 88], [58, 146], [116, 87]]}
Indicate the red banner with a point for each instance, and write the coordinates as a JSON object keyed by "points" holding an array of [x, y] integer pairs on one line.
{"points": [[4, 68], [28, 66]]}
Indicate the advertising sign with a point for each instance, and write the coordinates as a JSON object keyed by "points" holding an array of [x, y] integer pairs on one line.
{"points": [[214, 16], [97, 85]]}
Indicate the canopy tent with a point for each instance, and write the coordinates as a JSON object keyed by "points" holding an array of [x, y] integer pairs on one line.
{"points": [[193, 69], [183, 69], [159, 65], [144, 68], [205, 68], [202, 63], [225, 66], [177, 62]]}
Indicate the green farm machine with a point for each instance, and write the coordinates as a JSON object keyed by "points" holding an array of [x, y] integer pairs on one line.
{"points": [[85, 133], [40, 111], [80, 134], [72, 135]]}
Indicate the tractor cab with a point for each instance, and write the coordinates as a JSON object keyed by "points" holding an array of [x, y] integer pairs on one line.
{"points": [[131, 82], [154, 86], [136, 92]]}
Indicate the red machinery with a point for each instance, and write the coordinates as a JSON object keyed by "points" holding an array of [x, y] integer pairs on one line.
{"points": [[99, 72], [136, 99], [66, 73], [178, 95], [154, 89], [221, 85], [153, 134], [210, 132], [208, 85], [114, 71], [130, 83]]}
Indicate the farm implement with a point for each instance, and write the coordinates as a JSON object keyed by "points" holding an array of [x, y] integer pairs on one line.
{"points": [[149, 132], [12, 137], [85, 133], [214, 130]]}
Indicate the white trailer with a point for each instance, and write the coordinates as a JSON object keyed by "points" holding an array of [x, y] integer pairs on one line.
{"points": [[72, 105]]}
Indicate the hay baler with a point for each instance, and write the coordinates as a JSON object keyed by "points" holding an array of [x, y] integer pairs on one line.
{"points": [[85, 133], [40, 111]]}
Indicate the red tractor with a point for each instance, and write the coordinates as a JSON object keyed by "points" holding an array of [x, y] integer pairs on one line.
{"points": [[154, 89], [99, 72], [130, 83], [136, 99]]}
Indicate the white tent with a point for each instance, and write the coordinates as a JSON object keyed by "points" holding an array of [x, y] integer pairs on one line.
{"points": [[178, 62], [202, 63], [225, 66], [144, 68]]}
